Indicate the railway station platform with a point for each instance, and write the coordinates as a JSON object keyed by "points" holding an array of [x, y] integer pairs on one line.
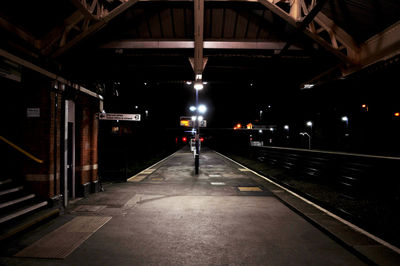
{"points": [[167, 215]]}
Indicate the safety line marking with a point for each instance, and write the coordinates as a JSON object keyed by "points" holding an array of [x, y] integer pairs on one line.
{"points": [[148, 168], [249, 189], [353, 226], [218, 183]]}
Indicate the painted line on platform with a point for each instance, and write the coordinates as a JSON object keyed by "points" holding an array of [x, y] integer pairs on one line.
{"points": [[147, 169], [353, 226]]}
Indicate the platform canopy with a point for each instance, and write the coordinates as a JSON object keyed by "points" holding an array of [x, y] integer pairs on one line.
{"points": [[310, 41]]}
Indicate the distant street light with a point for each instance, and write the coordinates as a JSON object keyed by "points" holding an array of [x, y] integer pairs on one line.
{"points": [[192, 108], [346, 120], [310, 124], [286, 127]]}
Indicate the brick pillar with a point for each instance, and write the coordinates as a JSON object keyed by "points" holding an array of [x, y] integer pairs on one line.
{"points": [[86, 141]]}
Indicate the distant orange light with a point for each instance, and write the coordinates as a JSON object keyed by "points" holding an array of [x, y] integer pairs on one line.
{"points": [[249, 126], [397, 114], [364, 105], [239, 126]]}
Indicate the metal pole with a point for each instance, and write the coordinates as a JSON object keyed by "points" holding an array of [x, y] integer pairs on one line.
{"points": [[197, 136]]}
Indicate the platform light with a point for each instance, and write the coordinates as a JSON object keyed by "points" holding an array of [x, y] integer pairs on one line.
{"points": [[198, 86], [202, 108]]}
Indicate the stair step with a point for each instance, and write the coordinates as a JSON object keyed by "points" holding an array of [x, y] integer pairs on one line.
{"points": [[16, 201], [5, 181], [11, 190], [22, 211], [21, 225]]}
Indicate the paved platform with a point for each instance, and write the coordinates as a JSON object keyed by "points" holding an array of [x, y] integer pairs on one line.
{"points": [[166, 215]]}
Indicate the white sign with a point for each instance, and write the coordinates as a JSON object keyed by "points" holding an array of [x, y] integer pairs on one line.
{"points": [[124, 117], [33, 112], [256, 143]]}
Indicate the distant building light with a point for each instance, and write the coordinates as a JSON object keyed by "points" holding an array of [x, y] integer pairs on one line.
{"points": [[249, 126], [192, 108], [345, 118], [397, 114], [205, 82], [188, 83], [286, 127], [308, 86], [271, 129], [309, 123], [260, 131]]}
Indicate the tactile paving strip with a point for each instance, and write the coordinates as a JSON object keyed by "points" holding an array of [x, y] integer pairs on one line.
{"points": [[64, 240]]}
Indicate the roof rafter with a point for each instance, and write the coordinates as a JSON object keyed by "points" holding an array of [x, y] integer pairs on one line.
{"points": [[189, 44], [89, 26], [346, 52]]}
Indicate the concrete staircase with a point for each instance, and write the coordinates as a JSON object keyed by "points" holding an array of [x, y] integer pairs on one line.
{"points": [[20, 209]]}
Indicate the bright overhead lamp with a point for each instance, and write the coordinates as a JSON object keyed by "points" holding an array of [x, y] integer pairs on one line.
{"points": [[198, 86], [202, 108]]}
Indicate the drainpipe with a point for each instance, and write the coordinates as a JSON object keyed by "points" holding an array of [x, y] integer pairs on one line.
{"points": [[55, 137]]}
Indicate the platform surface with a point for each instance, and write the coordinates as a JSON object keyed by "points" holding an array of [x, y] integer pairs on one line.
{"points": [[166, 215]]}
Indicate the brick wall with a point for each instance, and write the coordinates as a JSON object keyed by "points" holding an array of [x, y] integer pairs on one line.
{"points": [[37, 135]]}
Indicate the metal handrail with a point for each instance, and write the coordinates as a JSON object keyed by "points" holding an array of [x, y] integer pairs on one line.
{"points": [[21, 150]]}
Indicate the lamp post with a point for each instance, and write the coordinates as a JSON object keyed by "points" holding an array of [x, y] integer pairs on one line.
{"points": [[346, 120], [198, 85], [309, 138]]}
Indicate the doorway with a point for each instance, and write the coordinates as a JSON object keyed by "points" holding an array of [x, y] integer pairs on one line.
{"points": [[68, 187]]}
